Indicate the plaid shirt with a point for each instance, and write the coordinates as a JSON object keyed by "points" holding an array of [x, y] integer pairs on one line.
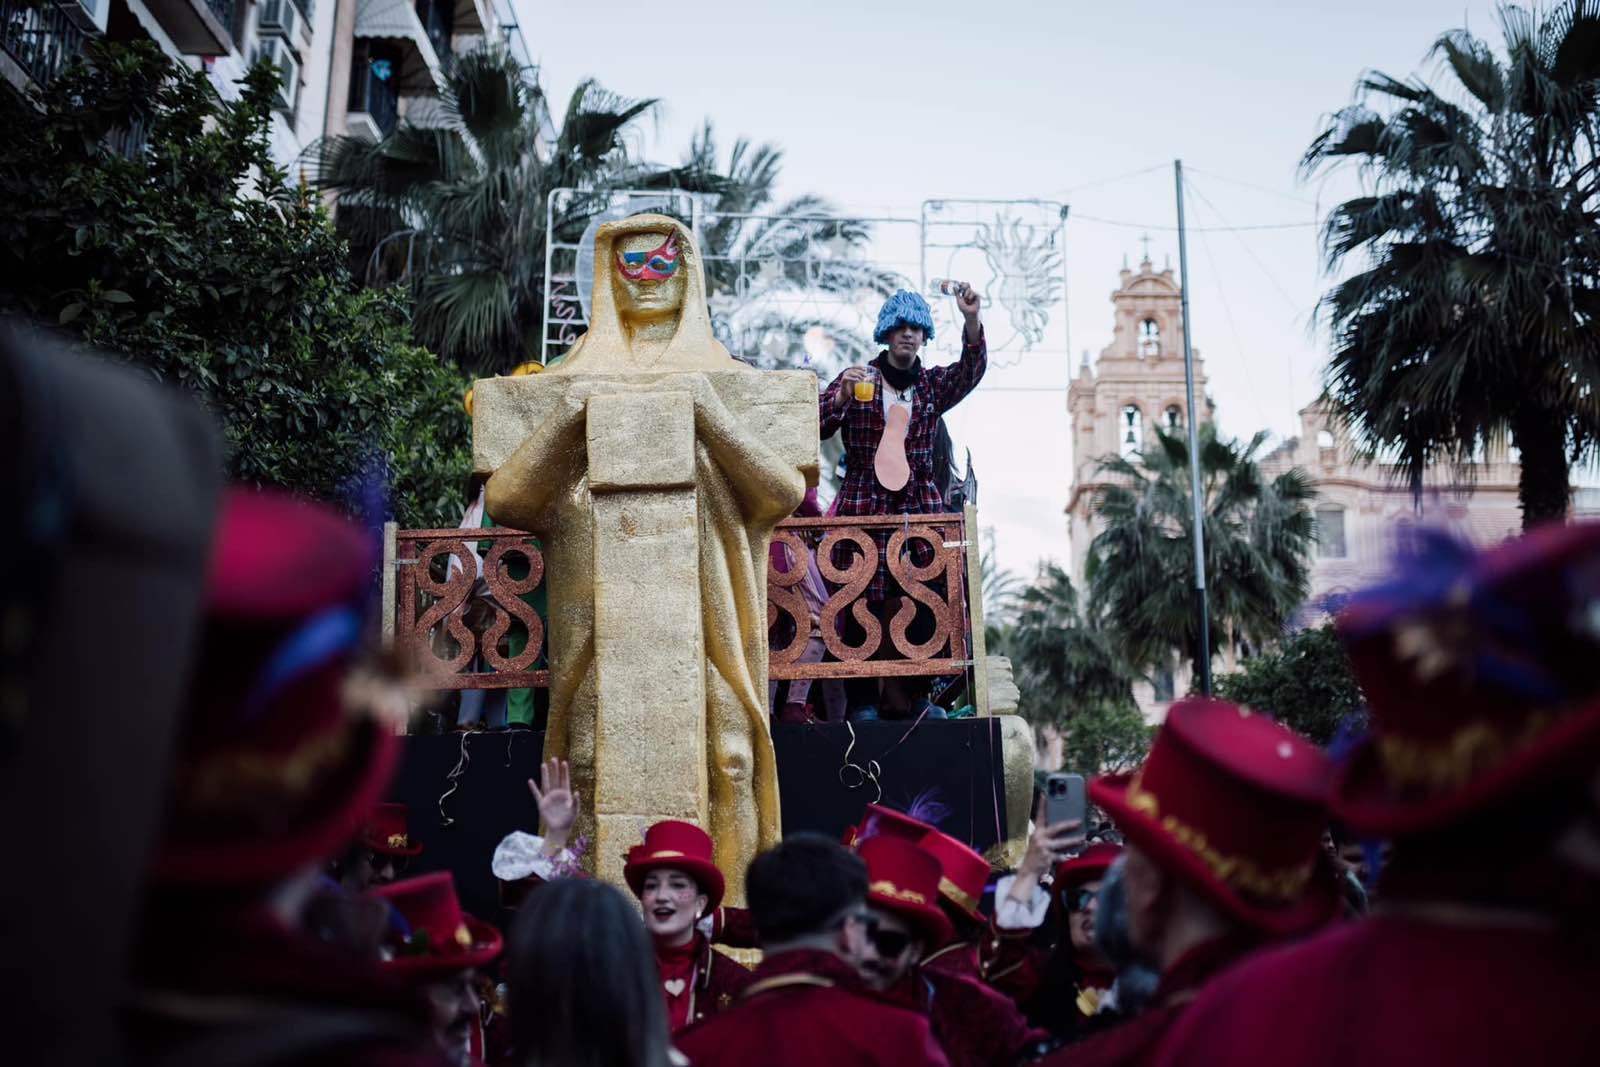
{"points": [[938, 390]]}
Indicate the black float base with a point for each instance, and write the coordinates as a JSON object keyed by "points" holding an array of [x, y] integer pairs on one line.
{"points": [[824, 777]]}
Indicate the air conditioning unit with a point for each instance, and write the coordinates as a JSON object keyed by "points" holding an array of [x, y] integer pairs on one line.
{"points": [[277, 51], [88, 15], [280, 18]]}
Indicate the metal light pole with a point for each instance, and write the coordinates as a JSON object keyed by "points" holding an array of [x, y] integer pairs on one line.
{"points": [[1202, 616]]}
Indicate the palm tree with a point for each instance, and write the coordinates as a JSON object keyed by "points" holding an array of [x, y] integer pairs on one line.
{"points": [[1470, 316], [1063, 659], [1076, 687], [763, 259], [453, 201], [1000, 592], [1258, 538]]}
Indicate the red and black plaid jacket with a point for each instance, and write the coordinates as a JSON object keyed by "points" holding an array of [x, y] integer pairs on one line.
{"points": [[938, 390]]}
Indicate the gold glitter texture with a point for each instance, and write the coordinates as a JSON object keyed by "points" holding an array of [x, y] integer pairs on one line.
{"points": [[654, 466]]}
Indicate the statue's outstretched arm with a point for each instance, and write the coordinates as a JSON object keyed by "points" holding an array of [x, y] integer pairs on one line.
{"points": [[768, 487], [522, 489]]}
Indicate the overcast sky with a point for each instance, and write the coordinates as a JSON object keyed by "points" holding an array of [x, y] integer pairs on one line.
{"points": [[882, 105]]}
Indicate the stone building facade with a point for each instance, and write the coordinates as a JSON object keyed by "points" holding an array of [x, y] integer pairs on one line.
{"points": [[1137, 383]]}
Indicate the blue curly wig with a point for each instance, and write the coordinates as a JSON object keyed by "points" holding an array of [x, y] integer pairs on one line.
{"points": [[904, 308]]}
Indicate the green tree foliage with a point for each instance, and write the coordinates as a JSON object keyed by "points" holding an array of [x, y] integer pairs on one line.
{"points": [[190, 257], [1258, 538], [1474, 255], [1105, 737], [453, 201], [1305, 683], [1073, 679]]}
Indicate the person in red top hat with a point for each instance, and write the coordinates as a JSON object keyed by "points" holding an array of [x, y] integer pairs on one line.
{"points": [[1482, 769], [276, 770], [904, 917], [963, 876], [808, 1004], [437, 948], [1059, 986], [678, 883], [379, 855], [1224, 825], [907, 898]]}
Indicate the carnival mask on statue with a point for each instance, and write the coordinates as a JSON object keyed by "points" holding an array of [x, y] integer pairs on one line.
{"points": [[648, 283]]}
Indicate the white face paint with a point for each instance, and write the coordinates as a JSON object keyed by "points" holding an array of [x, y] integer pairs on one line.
{"points": [[672, 904]]}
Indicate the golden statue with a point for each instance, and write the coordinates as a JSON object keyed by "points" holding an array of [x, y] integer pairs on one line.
{"points": [[655, 471]]}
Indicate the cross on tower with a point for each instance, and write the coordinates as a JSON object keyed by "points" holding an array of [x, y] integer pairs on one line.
{"points": [[1145, 240]]}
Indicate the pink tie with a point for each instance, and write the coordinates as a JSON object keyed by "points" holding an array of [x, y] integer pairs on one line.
{"points": [[890, 463]]}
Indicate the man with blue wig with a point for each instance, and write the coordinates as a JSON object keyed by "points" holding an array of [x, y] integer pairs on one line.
{"points": [[888, 413]]}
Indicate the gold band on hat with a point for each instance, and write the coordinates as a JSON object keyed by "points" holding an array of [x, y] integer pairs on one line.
{"points": [[958, 896], [1467, 753], [1240, 872], [893, 892]]}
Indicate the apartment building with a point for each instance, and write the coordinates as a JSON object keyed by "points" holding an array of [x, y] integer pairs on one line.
{"points": [[347, 66]]}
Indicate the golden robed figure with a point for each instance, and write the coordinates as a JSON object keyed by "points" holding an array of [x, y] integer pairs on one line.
{"points": [[653, 466]]}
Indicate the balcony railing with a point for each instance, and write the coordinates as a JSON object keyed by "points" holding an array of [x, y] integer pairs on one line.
{"points": [[437, 612], [41, 40], [197, 27]]}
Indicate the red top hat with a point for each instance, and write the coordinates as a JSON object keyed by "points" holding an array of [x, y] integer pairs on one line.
{"points": [[881, 819], [680, 846], [962, 872], [272, 771], [1087, 866], [1479, 671], [904, 878], [1233, 803], [441, 938], [386, 832]]}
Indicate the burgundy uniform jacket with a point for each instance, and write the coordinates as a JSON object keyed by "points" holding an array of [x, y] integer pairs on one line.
{"points": [[1135, 1043], [1414, 991], [974, 1024], [243, 988], [809, 1009]]}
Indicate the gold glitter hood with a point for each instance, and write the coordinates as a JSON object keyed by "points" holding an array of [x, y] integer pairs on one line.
{"points": [[605, 348]]}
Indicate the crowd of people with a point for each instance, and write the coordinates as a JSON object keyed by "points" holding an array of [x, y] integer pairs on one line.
{"points": [[1210, 921], [1205, 916]]}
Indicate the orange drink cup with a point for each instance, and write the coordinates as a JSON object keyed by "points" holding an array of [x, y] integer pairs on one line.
{"points": [[865, 391]]}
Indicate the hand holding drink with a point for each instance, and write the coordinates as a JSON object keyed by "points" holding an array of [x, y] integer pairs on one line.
{"points": [[855, 383]]}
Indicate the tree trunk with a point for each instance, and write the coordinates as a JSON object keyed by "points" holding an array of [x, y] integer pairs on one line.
{"points": [[1542, 489]]}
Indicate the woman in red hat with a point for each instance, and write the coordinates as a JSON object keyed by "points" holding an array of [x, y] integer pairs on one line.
{"points": [[679, 884], [1058, 985]]}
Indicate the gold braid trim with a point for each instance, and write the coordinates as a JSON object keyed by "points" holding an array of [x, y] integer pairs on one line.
{"points": [[234, 775], [958, 896], [1240, 872], [894, 892], [1464, 755]]}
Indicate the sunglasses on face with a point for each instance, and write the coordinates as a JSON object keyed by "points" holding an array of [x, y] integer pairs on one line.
{"points": [[1080, 899], [889, 943]]}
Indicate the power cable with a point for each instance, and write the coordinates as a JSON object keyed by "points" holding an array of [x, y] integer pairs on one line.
{"points": [[1272, 279], [1250, 185], [1080, 217], [1107, 181], [1233, 328]]}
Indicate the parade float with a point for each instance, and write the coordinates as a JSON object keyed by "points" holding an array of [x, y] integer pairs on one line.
{"points": [[639, 484]]}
